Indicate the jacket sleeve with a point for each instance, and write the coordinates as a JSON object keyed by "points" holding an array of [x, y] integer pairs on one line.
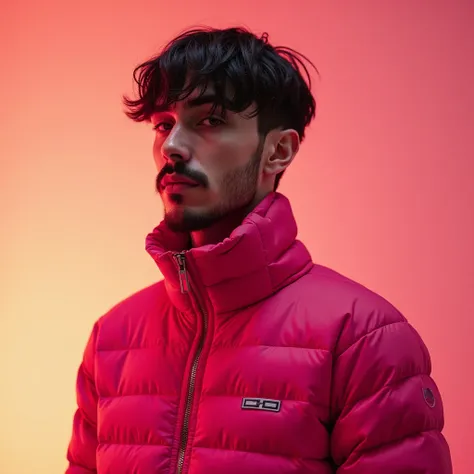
{"points": [[81, 453], [387, 410]]}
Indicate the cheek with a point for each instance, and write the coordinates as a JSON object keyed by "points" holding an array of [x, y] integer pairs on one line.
{"points": [[157, 156], [228, 166], [234, 152]]}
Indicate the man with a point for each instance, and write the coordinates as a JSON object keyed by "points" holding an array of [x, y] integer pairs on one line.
{"points": [[248, 358]]}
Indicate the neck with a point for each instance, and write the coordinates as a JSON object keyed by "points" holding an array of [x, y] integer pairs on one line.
{"points": [[222, 229]]}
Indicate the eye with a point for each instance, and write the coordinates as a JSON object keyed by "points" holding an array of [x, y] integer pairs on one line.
{"points": [[163, 127], [212, 122]]}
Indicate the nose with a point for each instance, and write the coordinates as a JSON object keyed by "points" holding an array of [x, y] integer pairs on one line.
{"points": [[175, 148]]}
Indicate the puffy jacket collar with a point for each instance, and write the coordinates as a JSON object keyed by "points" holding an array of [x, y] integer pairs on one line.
{"points": [[261, 256]]}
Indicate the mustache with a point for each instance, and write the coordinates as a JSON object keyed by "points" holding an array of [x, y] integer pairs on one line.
{"points": [[181, 169]]}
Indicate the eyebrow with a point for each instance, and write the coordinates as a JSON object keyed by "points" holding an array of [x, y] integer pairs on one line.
{"points": [[206, 98], [209, 98]]}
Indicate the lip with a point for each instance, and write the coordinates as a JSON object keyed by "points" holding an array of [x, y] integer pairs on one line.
{"points": [[177, 184], [178, 188], [176, 180]]}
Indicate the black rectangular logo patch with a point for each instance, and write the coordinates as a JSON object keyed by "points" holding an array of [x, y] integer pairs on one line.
{"points": [[261, 404]]}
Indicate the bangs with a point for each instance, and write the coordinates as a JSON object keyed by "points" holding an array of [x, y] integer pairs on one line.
{"points": [[176, 74], [181, 81]]}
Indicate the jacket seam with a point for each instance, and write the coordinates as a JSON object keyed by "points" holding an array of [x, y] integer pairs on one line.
{"points": [[270, 346], [392, 383], [262, 453], [359, 450], [383, 326], [108, 443], [136, 348]]}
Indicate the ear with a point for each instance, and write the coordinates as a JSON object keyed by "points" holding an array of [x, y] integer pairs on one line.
{"points": [[282, 146]]}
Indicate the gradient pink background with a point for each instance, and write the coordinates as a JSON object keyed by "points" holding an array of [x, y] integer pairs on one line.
{"points": [[382, 188]]}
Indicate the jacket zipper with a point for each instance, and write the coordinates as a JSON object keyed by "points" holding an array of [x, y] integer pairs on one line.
{"points": [[185, 288]]}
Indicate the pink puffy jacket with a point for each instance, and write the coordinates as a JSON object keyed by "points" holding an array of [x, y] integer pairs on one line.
{"points": [[250, 359]]}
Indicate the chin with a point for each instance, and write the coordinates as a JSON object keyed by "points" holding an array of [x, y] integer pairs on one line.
{"points": [[182, 218]]}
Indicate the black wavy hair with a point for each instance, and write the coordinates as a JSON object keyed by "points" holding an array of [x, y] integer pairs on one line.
{"points": [[257, 73]]}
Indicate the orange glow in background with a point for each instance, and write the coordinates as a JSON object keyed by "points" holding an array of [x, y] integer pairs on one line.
{"points": [[382, 187]]}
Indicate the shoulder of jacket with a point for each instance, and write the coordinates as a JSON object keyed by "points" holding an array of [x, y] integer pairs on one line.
{"points": [[357, 310], [148, 297]]}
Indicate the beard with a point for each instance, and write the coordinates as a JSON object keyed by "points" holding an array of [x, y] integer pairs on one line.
{"points": [[239, 188]]}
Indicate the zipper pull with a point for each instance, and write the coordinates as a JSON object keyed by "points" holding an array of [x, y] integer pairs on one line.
{"points": [[182, 272]]}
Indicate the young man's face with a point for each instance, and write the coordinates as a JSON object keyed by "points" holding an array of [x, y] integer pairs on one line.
{"points": [[208, 165]]}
